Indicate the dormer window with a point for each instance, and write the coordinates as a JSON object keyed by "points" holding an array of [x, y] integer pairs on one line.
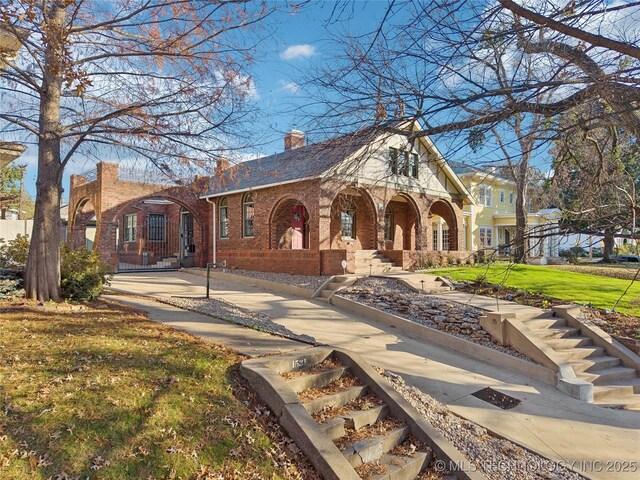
{"points": [[403, 162]]}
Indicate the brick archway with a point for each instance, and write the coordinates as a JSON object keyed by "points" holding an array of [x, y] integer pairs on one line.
{"points": [[446, 211], [407, 229], [357, 203], [82, 224], [285, 233], [111, 191]]}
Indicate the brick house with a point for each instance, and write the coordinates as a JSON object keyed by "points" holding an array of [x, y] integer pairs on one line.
{"points": [[354, 198], [366, 199]]}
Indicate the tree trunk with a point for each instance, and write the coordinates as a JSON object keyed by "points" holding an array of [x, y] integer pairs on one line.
{"points": [[42, 275], [608, 241], [520, 247]]}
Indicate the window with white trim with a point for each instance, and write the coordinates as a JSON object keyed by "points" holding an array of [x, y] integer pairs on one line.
{"points": [[130, 227], [247, 214], [445, 239], [503, 196], [486, 237], [348, 222], [223, 216], [511, 197], [157, 226], [484, 195]]}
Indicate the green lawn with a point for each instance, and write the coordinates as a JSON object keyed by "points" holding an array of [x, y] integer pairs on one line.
{"points": [[106, 393], [575, 287]]}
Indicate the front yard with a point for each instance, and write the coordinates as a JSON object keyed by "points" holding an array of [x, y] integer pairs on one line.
{"points": [[105, 393], [598, 291]]}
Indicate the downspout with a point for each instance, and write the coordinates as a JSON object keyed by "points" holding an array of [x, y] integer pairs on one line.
{"points": [[215, 228]]}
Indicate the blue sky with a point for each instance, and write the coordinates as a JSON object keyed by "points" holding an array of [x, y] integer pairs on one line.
{"points": [[293, 44]]}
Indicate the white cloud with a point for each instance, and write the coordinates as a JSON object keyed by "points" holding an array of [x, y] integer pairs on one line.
{"points": [[298, 51], [290, 87]]}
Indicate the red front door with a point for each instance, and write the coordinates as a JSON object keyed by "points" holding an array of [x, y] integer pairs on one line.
{"points": [[297, 227]]}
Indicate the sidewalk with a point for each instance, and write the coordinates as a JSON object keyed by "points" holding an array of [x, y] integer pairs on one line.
{"points": [[546, 421]]}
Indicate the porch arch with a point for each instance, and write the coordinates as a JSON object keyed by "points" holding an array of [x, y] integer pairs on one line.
{"points": [[407, 223], [441, 209], [354, 221], [289, 227]]}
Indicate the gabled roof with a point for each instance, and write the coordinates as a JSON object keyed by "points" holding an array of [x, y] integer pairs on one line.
{"points": [[307, 162]]}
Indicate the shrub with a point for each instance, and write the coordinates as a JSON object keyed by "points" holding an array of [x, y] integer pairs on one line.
{"points": [[481, 280], [83, 274], [10, 284], [13, 253]]}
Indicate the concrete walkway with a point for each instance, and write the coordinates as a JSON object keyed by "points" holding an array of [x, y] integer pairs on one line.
{"points": [[546, 421]]}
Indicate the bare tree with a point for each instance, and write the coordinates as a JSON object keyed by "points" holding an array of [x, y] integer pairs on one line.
{"points": [[162, 81], [427, 62], [596, 177]]}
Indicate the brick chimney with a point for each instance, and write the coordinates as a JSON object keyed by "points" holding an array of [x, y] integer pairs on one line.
{"points": [[222, 163], [293, 139]]}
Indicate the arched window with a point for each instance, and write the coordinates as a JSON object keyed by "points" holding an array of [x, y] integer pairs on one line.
{"points": [[389, 226], [223, 217], [247, 215]]}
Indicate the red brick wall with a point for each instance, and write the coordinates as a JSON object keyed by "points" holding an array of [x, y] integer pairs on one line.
{"points": [[300, 262], [332, 261], [269, 203]]}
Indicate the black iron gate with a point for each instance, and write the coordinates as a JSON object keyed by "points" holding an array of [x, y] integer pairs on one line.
{"points": [[160, 242]]}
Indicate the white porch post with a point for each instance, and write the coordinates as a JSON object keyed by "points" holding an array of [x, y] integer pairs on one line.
{"points": [[440, 235]]}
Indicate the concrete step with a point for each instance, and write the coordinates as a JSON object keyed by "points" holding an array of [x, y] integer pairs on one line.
{"points": [[595, 363], [542, 323], [357, 419], [334, 400], [623, 402], [568, 342], [373, 271], [316, 380], [620, 388], [374, 263], [403, 468], [333, 428], [556, 332], [580, 353], [606, 376], [333, 286], [326, 293], [371, 449]]}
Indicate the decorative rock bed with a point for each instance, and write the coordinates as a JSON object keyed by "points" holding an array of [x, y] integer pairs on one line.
{"points": [[455, 318], [232, 313], [497, 458], [310, 282]]}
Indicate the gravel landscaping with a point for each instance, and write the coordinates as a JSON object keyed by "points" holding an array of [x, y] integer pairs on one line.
{"points": [[497, 458], [310, 282], [232, 313], [396, 298]]}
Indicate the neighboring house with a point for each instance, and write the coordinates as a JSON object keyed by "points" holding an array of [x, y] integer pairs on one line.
{"points": [[10, 43], [305, 210], [490, 223]]}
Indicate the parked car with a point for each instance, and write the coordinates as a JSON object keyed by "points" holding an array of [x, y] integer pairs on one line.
{"points": [[627, 258]]}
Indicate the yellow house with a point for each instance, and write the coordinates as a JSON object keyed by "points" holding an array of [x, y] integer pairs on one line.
{"points": [[490, 223]]}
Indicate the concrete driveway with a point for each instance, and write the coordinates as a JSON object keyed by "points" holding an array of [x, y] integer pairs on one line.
{"points": [[547, 421]]}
